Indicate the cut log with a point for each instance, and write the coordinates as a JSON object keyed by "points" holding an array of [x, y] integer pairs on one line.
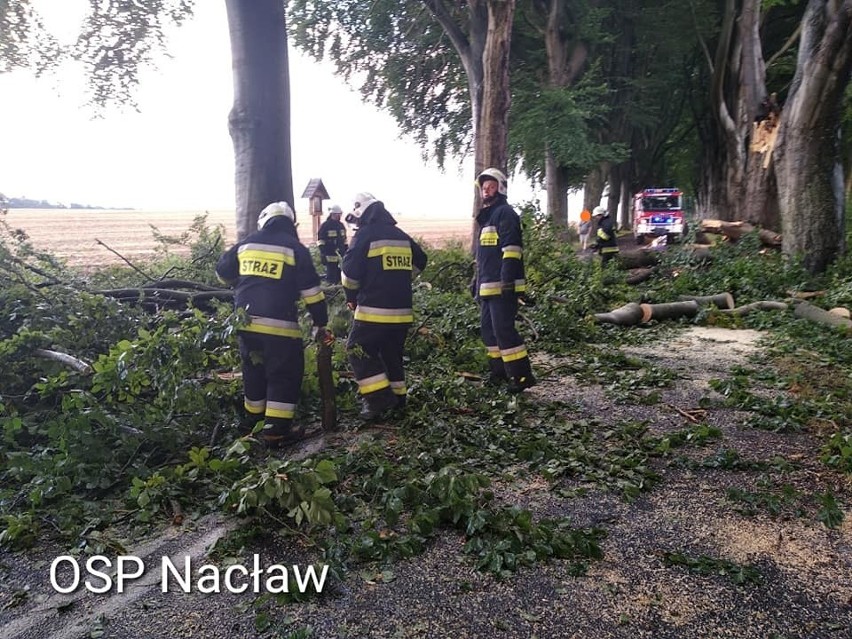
{"points": [[722, 300], [700, 254], [637, 259], [816, 314], [735, 230], [672, 310], [841, 312], [627, 315], [639, 275], [764, 305]]}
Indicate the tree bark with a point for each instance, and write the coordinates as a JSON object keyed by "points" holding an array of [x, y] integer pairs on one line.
{"points": [[721, 301], [259, 122], [807, 152], [763, 305], [816, 314], [627, 315], [672, 310]]}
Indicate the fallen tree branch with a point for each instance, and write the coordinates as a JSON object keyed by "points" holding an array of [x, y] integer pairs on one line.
{"points": [[639, 275], [66, 360], [125, 260], [671, 310], [763, 305]]}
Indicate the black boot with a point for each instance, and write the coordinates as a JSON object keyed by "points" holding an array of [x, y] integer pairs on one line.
{"points": [[276, 434], [518, 384], [377, 405]]}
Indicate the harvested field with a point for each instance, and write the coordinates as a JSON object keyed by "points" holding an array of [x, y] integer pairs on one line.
{"points": [[74, 235]]}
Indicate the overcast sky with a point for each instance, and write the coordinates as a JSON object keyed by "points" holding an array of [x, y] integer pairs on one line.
{"points": [[177, 154]]}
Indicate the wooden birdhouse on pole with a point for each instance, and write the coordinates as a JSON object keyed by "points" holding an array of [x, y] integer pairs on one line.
{"points": [[315, 193]]}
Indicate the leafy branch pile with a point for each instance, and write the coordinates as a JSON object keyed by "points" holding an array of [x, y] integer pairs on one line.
{"points": [[148, 435]]}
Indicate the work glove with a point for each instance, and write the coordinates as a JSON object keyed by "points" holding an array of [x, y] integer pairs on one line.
{"points": [[508, 290], [323, 336], [352, 306]]}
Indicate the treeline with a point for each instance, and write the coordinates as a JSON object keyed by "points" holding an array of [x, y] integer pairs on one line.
{"points": [[27, 203]]}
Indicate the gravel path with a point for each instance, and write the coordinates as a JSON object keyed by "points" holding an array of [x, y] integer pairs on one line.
{"points": [[804, 590]]}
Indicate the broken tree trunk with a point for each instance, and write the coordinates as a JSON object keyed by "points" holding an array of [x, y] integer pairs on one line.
{"points": [[671, 310], [816, 314], [722, 300], [627, 315], [763, 305]]}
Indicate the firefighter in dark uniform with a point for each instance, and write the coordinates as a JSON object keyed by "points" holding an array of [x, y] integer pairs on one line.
{"points": [[377, 273], [271, 270], [331, 239], [607, 242], [499, 282]]}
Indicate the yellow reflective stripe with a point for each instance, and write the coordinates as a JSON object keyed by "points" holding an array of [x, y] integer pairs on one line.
{"points": [[397, 316], [398, 388], [269, 326], [280, 409], [254, 406], [512, 251], [512, 354], [609, 249], [493, 352], [312, 295], [602, 235], [332, 234], [349, 283], [267, 252], [488, 239], [332, 258], [373, 383], [490, 288]]}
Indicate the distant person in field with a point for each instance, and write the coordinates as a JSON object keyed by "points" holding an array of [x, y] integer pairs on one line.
{"points": [[271, 271], [331, 239], [499, 282], [607, 242], [585, 228], [377, 272]]}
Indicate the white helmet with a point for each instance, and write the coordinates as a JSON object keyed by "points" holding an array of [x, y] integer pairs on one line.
{"points": [[335, 210], [494, 174], [362, 202], [599, 211], [274, 210]]}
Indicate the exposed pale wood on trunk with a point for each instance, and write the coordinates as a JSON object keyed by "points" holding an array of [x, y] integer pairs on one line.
{"points": [[69, 361]]}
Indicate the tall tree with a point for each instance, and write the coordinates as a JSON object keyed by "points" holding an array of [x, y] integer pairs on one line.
{"points": [[259, 121], [449, 99], [807, 154]]}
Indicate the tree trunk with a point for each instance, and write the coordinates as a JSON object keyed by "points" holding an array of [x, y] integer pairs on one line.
{"points": [[807, 152], [259, 121], [556, 183]]}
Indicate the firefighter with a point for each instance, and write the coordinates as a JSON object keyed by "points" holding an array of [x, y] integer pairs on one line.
{"points": [[499, 282], [377, 273], [271, 270], [607, 243], [331, 239]]}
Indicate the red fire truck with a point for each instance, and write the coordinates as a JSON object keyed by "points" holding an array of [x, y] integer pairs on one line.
{"points": [[658, 212]]}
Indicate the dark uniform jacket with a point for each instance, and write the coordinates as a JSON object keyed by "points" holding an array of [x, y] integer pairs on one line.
{"points": [[378, 268], [500, 252], [271, 270], [331, 239], [607, 240]]}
